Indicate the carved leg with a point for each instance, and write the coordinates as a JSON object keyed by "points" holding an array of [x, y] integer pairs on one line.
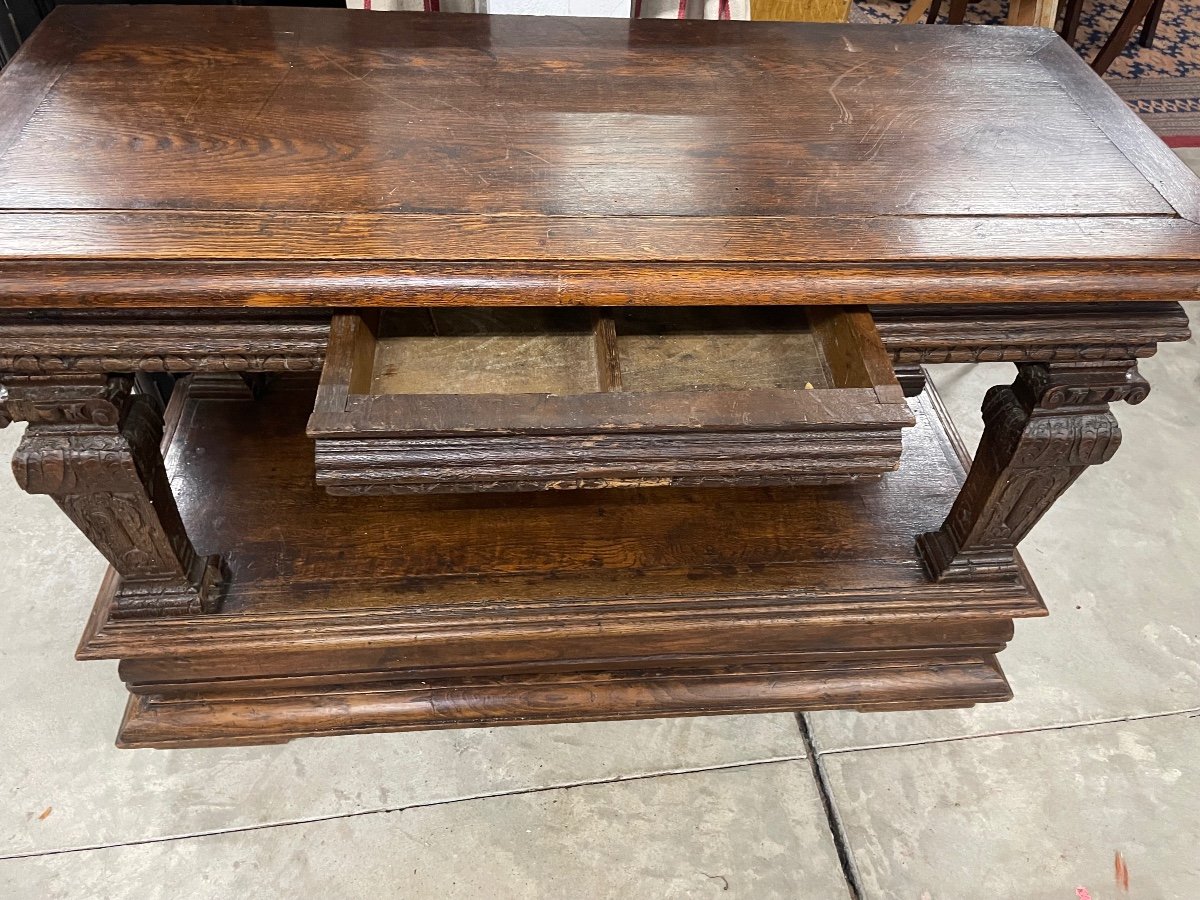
{"points": [[1039, 435], [94, 447]]}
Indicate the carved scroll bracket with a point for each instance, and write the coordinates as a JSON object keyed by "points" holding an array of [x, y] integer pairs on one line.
{"points": [[1040, 434], [93, 446]]}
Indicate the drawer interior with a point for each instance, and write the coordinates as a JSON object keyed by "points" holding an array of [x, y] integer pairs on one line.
{"points": [[502, 399], [578, 351], [485, 351], [718, 349], [453, 370]]}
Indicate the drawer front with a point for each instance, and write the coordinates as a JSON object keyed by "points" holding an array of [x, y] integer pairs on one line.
{"points": [[453, 400]]}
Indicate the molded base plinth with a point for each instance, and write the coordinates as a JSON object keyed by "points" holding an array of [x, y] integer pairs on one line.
{"points": [[269, 714], [349, 615]]}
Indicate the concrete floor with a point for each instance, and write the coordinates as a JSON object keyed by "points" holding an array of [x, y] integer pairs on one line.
{"points": [[1096, 759]]}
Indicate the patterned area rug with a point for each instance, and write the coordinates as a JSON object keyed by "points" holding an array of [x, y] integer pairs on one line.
{"points": [[1161, 83], [1171, 106]]}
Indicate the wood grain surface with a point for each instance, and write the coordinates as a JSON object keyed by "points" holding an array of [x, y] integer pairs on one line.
{"points": [[428, 401], [410, 159], [293, 549], [386, 613]]}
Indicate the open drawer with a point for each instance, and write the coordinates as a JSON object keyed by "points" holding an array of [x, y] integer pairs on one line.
{"points": [[520, 399]]}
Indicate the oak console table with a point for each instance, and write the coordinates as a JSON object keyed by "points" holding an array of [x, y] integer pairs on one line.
{"points": [[543, 370]]}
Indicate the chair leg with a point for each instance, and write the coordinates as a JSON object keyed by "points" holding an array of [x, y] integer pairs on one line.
{"points": [[935, 7], [1070, 23], [1134, 14], [1150, 25], [916, 12], [958, 12]]}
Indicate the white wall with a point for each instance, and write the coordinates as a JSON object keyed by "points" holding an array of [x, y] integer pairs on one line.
{"points": [[663, 9]]}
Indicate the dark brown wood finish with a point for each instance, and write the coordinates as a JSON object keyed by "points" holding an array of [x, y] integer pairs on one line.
{"points": [[94, 448], [548, 606], [351, 164], [1039, 436], [627, 159], [63, 342], [428, 401]]}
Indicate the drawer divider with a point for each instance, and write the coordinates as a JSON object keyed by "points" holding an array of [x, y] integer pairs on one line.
{"points": [[466, 400], [608, 355]]}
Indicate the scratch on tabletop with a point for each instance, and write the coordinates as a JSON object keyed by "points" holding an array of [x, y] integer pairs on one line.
{"points": [[187, 116], [846, 117], [274, 91], [362, 79]]}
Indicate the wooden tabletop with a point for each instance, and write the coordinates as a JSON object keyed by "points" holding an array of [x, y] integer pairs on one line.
{"points": [[273, 156]]}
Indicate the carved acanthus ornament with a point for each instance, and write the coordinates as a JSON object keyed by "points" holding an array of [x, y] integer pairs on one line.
{"points": [[93, 446], [1040, 434]]}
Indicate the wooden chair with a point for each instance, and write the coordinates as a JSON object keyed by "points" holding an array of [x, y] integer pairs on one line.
{"points": [[930, 12], [1020, 12], [1143, 12]]}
